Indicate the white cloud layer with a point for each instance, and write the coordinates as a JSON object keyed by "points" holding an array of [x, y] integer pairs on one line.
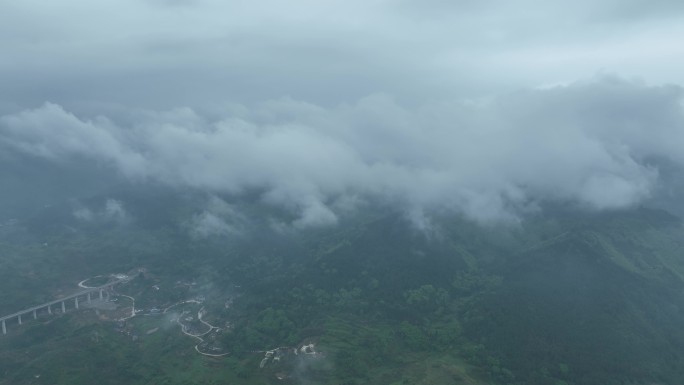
{"points": [[320, 104], [588, 143]]}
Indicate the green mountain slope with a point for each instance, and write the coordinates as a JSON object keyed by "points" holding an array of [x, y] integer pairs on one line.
{"points": [[563, 298]]}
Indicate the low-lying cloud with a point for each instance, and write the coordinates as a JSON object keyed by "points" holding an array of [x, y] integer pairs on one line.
{"points": [[589, 143], [113, 211], [218, 219]]}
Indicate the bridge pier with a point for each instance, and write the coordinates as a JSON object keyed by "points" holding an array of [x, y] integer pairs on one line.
{"points": [[103, 292]]}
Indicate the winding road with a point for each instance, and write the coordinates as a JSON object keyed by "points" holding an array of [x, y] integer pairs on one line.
{"points": [[199, 336]]}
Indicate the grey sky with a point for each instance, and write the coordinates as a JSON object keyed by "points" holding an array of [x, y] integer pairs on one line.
{"points": [[165, 54], [484, 108]]}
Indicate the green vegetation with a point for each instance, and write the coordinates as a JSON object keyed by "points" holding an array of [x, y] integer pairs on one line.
{"points": [[565, 298]]}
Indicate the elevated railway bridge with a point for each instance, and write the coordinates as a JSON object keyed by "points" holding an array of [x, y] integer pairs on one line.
{"points": [[47, 308]]}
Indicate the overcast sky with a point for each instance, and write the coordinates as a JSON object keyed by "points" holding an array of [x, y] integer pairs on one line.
{"points": [[165, 54], [481, 107]]}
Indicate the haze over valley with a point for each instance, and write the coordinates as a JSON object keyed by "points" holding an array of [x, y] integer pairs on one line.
{"points": [[378, 192]]}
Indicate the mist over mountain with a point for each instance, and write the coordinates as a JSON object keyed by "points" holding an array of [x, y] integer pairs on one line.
{"points": [[590, 144], [342, 192]]}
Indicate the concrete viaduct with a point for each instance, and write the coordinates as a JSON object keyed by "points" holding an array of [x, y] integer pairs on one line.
{"points": [[86, 293]]}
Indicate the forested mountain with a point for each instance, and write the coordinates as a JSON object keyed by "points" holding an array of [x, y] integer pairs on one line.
{"points": [[341, 192], [562, 297]]}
